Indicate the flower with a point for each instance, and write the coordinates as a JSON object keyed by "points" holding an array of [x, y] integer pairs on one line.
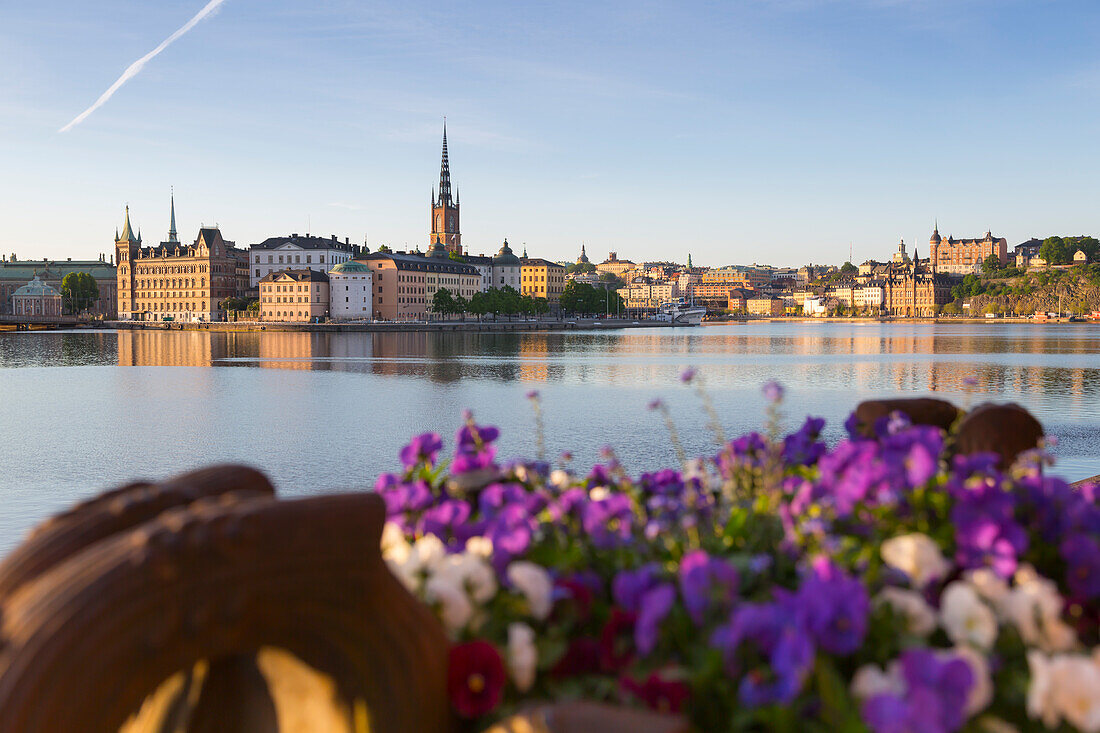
{"points": [[981, 692], [965, 618], [533, 394], [616, 647], [1074, 691], [470, 572], [655, 404], [773, 391], [475, 678], [986, 531], [870, 681], [1082, 556], [652, 610], [687, 375], [422, 448], [523, 656], [664, 696], [934, 697], [706, 583], [582, 656], [836, 607], [456, 610], [1034, 606], [535, 585], [919, 617], [917, 555]]}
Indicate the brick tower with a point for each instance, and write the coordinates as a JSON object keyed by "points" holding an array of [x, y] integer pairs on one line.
{"points": [[445, 228]]}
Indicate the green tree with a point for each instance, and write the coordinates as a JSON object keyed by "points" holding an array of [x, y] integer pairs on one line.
{"points": [[385, 248], [456, 257], [580, 267], [443, 302], [848, 269], [479, 304], [462, 306], [79, 291], [991, 264], [1054, 251]]}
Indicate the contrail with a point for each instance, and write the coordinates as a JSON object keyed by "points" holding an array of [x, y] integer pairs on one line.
{"points": [[133, 69]]}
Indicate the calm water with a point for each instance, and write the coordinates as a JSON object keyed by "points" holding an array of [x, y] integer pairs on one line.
{"points": [[83, 411]]}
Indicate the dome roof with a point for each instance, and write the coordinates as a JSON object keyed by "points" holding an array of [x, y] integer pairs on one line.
{"points": [[505, 256], [935, 239], [37, 288], [350, 266]]}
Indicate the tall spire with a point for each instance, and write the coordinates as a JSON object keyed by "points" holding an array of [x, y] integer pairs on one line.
{"points": [[127, 232], [172, 237], [444, 171]]}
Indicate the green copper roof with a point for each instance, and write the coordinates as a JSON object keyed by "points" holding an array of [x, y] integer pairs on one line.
{"points": [[350, 266], [128, 233]]}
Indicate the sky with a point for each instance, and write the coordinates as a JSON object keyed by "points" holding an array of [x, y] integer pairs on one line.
{"points": [[739, 131]]}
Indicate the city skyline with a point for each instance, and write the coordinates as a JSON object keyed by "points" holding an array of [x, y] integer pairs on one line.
{"points": [[778, 132]]}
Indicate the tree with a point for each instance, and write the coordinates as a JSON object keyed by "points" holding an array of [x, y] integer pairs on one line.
{"points": [[462, 306], [443, 302], [991, 264], [848, 269], [385, 248], [456, 257], [580, 267], [479, 304], [572, 297], [1054, 251], [79, 291]]}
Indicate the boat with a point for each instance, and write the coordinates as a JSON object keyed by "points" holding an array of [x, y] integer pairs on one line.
{"points": [[679, 313]]}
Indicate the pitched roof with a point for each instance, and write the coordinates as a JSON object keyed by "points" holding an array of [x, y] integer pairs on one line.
{"points": [[296, 276], [422, 263], [306, 242], [541, 262]]}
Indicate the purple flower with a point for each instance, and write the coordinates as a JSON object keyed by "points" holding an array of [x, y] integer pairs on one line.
{"points": [[510, 530], [629, 586], [608, 521], [474, 450], [784, 651], [986, 531], [1082, 556], [836, 607], [422, 448], [533, 394], [934, 699], [445, 520], [773, 391], [687, 375], [655, 404], [802, 448], [653, 607], [706, 583]]}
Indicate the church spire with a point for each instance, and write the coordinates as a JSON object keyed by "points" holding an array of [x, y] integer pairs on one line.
{"points": [[444, 172], [172, 236], [127, 232]]}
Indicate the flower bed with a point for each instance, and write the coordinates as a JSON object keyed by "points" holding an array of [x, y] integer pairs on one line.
{"points": [[882, 583]]}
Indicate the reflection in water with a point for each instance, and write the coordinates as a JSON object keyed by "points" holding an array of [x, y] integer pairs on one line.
{"points": [[116, 413]]}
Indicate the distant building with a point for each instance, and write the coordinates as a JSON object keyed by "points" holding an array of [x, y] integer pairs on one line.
{"points": [[643, 293], [175, 281], [614, 265], [36, 298], [541, 278], [737, 300], [965, 256], [744, 277], [765, 306], [351, 292], [915, 290], [275, 254], [1080, 258], [583, 259], [900, 257], [869, 296], [445, 212], [15, 273], [294, 296], [404, 284], [507, 268], [1025, 252]]}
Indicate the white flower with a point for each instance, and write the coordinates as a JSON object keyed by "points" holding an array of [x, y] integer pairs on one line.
{"points": [[916, 555], [392, 537], [535, 585], [455, 607], [981, 691], [480, 546], [919, 616], [989, 585], [1034, 606], [1075, 691], [427, 552], [560, 478], [472, 573], [598, 493], [965, 618], [1039, 704], [870, 680], [522, 655]]}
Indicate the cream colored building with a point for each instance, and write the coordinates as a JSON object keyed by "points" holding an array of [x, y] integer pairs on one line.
{"points": [[351, 292], [294, 296], [765, 306], [36, 298]]}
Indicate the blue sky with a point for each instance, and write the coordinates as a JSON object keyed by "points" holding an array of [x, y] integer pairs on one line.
{"points": [[777, 131]]}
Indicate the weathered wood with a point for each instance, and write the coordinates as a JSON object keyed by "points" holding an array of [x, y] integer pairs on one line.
{"points": [[582, 717], [921, 411], [1007, 430], [84, 642]]}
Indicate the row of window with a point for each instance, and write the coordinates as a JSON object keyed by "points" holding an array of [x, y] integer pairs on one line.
{"points": [[334, 259]]}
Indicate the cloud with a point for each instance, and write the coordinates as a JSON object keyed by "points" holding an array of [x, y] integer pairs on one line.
{"points": [[133, 69]]}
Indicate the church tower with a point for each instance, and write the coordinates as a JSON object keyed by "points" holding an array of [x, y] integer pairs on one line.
{"points": [[127, 249], [445, 229]]}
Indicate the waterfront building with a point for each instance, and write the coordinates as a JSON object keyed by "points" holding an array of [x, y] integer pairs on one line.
{"points": [[915, 290], [765, 306], [868, 296], [736, 276], [643, 293], [275, 254], [36, 298], [507, 268], [738, 300], [614, 265], [176, 281], [15, 273], [965, 256], [541, 278], [844, 293], [404, 284], [445, 212], [351, 291], [294, 296]]}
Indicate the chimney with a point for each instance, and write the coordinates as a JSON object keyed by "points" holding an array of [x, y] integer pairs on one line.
{"points": [[294, 235], [68, 259]]}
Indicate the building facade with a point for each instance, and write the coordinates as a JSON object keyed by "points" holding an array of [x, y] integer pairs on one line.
{"points": [[614, 265], [541, 278], [36, 299], [404, 284], [15, 273], [351, 292], [965, 256], [915, 290], [174, 281], [294, 296], [507, 269], [312, 253], [445, 223], [765, 306]]}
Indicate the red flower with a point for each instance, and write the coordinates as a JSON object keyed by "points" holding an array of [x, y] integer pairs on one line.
{"points": [[664, 696], [475, 678], [617, 640], [582, 657], [579, 594]]}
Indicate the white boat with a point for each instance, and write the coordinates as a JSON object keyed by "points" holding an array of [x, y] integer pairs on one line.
{"points": [[680, 313]]}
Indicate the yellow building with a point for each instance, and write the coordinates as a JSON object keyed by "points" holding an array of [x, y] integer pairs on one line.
{"points": [[294, 296], [541, 278]]}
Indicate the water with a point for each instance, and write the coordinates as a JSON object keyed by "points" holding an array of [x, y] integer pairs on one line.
{"points": [[83, 411]]}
